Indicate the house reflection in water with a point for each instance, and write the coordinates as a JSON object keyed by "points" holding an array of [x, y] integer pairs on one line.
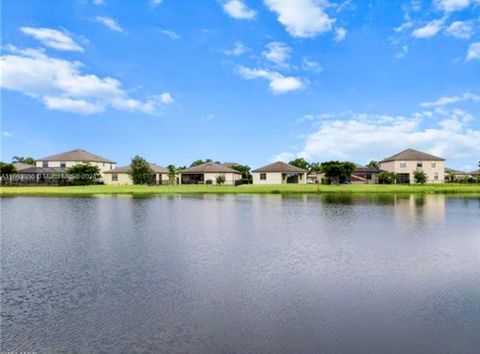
{"points": [[420, 209]]}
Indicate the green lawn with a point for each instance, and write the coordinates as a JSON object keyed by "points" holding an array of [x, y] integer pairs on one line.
{"points": [[245, 189]]}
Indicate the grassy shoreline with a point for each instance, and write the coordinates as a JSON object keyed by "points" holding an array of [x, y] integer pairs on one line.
{"points": [[245, 189]]}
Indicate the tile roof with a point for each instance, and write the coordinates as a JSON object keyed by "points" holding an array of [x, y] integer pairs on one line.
{"points": [[76, 155], [124, 169], [280, 167], [412, 155], [209, 167]]}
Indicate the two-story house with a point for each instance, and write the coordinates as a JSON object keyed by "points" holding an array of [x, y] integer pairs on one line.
{"points": [[405, 163]]}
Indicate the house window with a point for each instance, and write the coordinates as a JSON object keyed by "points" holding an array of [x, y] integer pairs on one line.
{"points": [[435, 176], [419, 164], [263, 176], [44, 163], [114, 177], [403, 164], [368, 176], [434, 164], [63, 164]]}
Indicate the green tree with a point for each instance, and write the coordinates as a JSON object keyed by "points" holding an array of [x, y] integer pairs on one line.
{"points": [[21, 159], [140, 171], [7, 168], [301, 163], [374, 164], [199, 162], [172, 171], [83, 174], [419, 176], [386, 177], [220, 179], [349, 168], [335, 171], [245, 171], [315, 167]]}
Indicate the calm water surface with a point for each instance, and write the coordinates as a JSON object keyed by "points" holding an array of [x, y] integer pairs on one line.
{"points": [[241, 274]]}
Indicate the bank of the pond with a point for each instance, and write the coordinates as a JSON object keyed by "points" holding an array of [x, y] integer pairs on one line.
{"points": [[245, 189]]}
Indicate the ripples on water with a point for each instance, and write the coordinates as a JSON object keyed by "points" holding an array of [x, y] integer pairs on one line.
{"points": [[241, 274]]}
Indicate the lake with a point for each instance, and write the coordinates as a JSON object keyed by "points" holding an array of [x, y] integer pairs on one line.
{"points": [[241, 274]]}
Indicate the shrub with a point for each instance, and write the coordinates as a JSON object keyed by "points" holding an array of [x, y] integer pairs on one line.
{"points": [[386, 177], [208, 181], [220, 179], [83, 174], [419, 176]]}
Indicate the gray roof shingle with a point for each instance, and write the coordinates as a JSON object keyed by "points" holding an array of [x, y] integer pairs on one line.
{"points": [[209, 167], [124, 169], [76, 155], [280, 167], [412, 155]]}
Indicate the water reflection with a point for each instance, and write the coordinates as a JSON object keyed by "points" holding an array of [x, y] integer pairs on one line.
{"points": [[247, 274]]}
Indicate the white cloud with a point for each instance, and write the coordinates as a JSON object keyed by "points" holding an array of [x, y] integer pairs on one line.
{"points": [[460, 29], [98, 2], [278, 53], [238, 49], [61, 85], [452, 5], [109, 23], [429, 30], [7, 134], [166, 98], [278, 83], [358, 137], [155, 3], [72, 105], [284, 157], [52, 38], [340, 34], [237, 9], [311, 65], [474, 51], [171, 34], [302, 18], [448, 100]]}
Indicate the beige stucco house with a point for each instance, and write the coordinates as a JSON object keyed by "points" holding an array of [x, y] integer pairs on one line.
{"points": [[207, 173], [279, 173], [74, 157], [406, 162], [120, 176]]}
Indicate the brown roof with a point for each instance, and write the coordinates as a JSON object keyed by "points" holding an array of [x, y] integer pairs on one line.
{"points": [[76, 155], [209, 167], [22, 166], [412, 155], [475, 173], [280, 167], [124, 169]]}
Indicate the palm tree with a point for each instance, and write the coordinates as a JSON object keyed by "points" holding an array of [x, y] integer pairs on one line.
{"points": [[21, 159]]}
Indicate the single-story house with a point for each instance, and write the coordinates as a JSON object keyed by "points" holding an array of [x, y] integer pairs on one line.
{"points": [[315, 177], [365, 175], [19, 166], [74, 157], [279, 173], [120, 176], [452, 175], [475, 174], [207, 173], [39, 175], [406, 162]]}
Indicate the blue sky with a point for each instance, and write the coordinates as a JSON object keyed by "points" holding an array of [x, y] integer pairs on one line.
{"points": [[246, 81]]}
